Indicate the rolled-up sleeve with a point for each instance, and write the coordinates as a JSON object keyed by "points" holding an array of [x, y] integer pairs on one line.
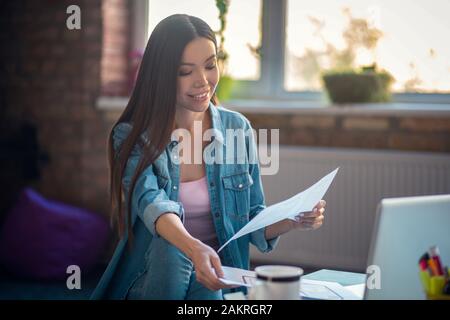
{"points": [[257, 201], [148, 201]]}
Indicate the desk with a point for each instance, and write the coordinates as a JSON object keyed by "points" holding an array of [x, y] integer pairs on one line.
{"points": [[354, 282]]}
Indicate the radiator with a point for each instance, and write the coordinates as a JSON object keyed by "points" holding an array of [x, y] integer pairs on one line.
{"points": [[364, 178]]}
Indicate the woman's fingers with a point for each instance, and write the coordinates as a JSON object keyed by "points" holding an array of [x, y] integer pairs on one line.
{"points": [[312, 223], [315, 213], [311, 214], [218, 272], [215, 261], [318, 209], [321, 204], [208, 279], [313, 220], [208, 267], [209, 275], [207, 283]]}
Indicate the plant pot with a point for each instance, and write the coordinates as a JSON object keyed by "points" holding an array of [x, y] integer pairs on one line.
{"points": [[354, 87]]}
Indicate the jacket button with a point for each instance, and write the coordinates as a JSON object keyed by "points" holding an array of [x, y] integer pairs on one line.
{"points": [[240, 185], [174, 187]]}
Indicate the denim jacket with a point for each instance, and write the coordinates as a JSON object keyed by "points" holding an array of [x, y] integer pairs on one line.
{"points": [[236, 196]]}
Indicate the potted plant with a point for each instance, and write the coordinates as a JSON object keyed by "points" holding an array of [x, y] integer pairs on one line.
{"points": [[342, 79], [225, 86], [346, 83], [366, 84]]}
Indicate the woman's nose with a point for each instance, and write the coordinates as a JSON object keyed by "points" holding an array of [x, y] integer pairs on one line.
{"points": [[200, 80]]}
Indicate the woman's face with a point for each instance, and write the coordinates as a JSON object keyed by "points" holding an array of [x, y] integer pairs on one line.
{"points": [[198, 75]]}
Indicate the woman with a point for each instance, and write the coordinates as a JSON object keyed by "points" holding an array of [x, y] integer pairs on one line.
{"points": [[181, 212]]}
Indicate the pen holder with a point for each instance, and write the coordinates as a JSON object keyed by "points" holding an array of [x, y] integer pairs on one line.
{"points": [[433, 286]]}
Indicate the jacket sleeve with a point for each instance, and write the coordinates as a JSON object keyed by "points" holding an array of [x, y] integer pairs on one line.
{"points": [[148, 201], [257, 201]]}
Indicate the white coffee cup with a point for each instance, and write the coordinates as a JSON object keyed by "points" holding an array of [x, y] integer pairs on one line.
{"points": [[276, 282]]}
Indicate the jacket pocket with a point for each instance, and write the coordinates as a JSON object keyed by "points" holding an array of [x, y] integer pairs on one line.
{"points": [[237, 195]]}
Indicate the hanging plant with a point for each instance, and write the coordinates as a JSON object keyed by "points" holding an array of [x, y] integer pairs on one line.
{"points": [[222, 55], [226, 82]]}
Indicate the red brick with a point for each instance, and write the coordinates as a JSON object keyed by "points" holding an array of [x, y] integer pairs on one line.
{"points": [[48, 67], [50, 33], [361, 139], [366, 123], [40, 51], [302, 137], [58, 50], [69, 36], [419, 141], [425, 124], [318, 122]]}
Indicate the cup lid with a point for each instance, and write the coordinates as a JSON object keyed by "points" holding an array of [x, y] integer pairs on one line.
{"points": [[278, 273]]}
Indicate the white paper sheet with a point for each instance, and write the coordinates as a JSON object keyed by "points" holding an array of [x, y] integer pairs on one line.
{"points": [[301, 202], [238, 277], [324, 290], [357, 290]]}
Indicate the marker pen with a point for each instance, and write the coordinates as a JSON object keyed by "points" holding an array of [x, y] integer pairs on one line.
{"points": [[423, 261], [433, 267], [434, 254]]}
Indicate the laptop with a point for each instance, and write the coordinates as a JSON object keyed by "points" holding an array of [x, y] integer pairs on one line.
{"points": [[405, 228]]}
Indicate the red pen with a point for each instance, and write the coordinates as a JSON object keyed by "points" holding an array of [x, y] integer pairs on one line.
{"points": [[423, 262], [434, 254]]}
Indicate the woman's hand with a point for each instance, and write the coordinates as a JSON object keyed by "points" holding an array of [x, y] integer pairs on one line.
{"points": [[311, 220], [208, 267]]}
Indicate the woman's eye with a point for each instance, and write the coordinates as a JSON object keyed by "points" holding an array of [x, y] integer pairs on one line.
{"points": [[186, 73]]}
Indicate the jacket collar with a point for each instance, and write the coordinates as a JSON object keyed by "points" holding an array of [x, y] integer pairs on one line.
{"points": [[217, 126]]}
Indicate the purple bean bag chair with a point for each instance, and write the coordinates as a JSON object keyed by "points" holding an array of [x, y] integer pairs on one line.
{"points": [[40, 238]]}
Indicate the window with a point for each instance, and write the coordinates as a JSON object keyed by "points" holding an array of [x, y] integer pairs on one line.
{"points": [[412, 44], [242, 32], [293, 36]]}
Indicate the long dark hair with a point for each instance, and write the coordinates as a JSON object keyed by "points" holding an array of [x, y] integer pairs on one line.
{"points": [[152, 105]]}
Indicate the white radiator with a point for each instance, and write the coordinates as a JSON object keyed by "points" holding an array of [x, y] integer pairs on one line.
{"points": [[364, 178]]}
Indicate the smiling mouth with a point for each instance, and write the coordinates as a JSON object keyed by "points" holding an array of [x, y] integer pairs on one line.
{"points": [[199, 96]]}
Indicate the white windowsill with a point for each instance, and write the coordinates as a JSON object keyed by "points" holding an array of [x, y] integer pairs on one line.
{"points": [[310, 108]]}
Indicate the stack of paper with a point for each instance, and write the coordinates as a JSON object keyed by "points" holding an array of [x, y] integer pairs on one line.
{"points": [[324, 290]]}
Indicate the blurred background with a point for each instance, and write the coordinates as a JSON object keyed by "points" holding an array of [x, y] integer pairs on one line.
{"points": [[361, 85]]}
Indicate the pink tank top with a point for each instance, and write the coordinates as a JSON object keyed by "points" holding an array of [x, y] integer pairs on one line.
{"points": [[198, 220]]}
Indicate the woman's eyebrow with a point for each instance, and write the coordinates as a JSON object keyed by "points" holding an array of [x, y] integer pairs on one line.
{"points": [[193, 64]]}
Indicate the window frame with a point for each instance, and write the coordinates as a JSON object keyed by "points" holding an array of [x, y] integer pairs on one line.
{"points": [[270, 85], [139, 24]]}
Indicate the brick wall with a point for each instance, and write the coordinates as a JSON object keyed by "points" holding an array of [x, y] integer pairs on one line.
{"points": [[395, 132], [116, 47], [53, 76]]}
